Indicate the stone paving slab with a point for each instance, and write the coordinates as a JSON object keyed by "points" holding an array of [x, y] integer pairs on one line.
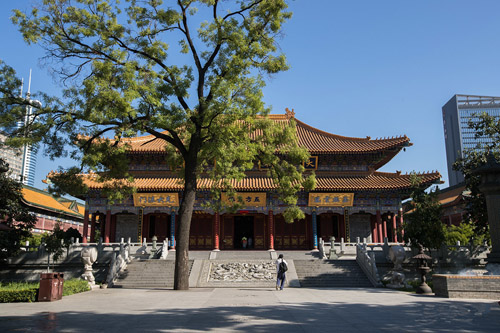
{"points": [[251, 310]]}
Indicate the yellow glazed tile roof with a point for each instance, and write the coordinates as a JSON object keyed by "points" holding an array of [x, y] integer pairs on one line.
{"points": [[41, 199], [315, 140], [376, 181]]}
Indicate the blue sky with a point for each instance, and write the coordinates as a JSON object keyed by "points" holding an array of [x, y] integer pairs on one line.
{"points": [[358, 68]]}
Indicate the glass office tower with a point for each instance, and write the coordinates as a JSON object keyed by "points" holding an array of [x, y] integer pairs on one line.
{"points": [[458, 136]]}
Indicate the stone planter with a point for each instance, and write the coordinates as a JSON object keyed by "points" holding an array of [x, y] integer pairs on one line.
{"points": [[457, 286]]}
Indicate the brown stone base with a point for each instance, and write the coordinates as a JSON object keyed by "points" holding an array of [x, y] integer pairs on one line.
{"points": [[456, 286]]}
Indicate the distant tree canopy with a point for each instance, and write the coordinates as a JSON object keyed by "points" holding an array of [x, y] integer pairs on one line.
{"points": [[15, 219], [187, 72], [488, 128]]}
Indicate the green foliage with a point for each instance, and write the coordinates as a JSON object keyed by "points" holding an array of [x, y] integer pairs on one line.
{"points": [[463, 233], [423, 223], [75, 286], [35, 240], [19, 295], [15, 216], [487, 127], [27, 292], [55, 243], [18, 292], [148, 67], [6, 286]]}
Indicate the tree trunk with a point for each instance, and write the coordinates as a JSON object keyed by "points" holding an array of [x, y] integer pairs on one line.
{"points": [[181, 275]]}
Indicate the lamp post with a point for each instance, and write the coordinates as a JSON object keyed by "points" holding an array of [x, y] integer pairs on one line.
{"points": [[422, 258]]}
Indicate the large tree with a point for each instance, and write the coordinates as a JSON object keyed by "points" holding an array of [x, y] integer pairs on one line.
{"points": [[423, 226], [16, 221], [486, 128], [188, 72]]}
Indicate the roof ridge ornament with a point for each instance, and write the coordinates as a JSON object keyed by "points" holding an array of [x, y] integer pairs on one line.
{"points": [[289, 114]]}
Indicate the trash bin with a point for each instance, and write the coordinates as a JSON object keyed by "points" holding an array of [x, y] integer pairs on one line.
{"points": [[60, 277], [49, 287]]}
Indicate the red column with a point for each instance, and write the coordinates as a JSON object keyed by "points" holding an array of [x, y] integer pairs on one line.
{"points": [[107, 227], [113, 228], [92, 229], [216, 231], [395, 227], [271, 230], [385, 228], [342, 227], [401, 224], [374, 230], [379, 227], [85, 226]]}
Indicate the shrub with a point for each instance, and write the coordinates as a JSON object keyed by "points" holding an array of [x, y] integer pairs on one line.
{"points": [[75, 286], [463, 233], [28, 292], [20, 295]]}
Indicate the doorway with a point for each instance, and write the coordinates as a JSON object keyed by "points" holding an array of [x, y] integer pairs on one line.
{"points": [[328, 226], [157, 225], [243, 228]]}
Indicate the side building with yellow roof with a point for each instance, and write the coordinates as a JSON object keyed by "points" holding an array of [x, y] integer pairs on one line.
{"points": [[51, 210]]}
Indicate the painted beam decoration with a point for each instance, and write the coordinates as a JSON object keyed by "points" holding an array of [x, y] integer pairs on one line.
{"points": [[331, 199], [156, 199], [250, 199]]}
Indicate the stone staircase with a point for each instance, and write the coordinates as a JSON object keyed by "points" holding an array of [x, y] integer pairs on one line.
{"points": [[331, 274], [152, 273]]}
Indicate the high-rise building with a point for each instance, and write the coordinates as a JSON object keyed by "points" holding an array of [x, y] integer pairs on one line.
{"points": [[29, 165], [458, 136], [22, 161], [13, 156]]}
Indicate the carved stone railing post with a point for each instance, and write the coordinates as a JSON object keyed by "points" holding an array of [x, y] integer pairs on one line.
{"points": [[89, 256], [368, 264]]}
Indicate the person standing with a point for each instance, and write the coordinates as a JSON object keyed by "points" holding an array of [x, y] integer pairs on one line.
{"points": [[281, 268]]}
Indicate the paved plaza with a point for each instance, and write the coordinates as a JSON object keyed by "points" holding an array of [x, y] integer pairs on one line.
{"points": [[251, 310]]}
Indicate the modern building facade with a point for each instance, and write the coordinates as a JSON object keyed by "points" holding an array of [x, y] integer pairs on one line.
{"points": [[29, 165], [13, 156], [22, 161], [351, 199], [457, 113]]}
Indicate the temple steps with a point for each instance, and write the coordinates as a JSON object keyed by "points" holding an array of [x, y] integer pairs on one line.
{"points": [[148, 274], [331, 273]]}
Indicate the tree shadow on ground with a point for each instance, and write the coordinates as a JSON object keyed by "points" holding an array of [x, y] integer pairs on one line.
{"points": [[417, 315]]}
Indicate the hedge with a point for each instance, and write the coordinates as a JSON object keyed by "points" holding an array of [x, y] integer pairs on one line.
{"points": [[28, 292], [22, 295], [75, 286]]}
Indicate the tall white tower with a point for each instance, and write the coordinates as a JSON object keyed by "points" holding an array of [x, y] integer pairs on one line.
{"points": [[29, 154]]}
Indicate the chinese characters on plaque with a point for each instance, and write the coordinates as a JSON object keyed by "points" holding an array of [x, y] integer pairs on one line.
{"points": [[311, 163], [156, 199], [250, 199], [331, 199]]}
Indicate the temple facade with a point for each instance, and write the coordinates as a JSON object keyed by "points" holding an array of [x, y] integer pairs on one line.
{"points": [[351, 199]]}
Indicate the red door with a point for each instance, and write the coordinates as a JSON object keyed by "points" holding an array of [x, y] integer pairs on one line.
{"points": [[227, 233], [200, 236], [290, 236], [259, 232]]}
